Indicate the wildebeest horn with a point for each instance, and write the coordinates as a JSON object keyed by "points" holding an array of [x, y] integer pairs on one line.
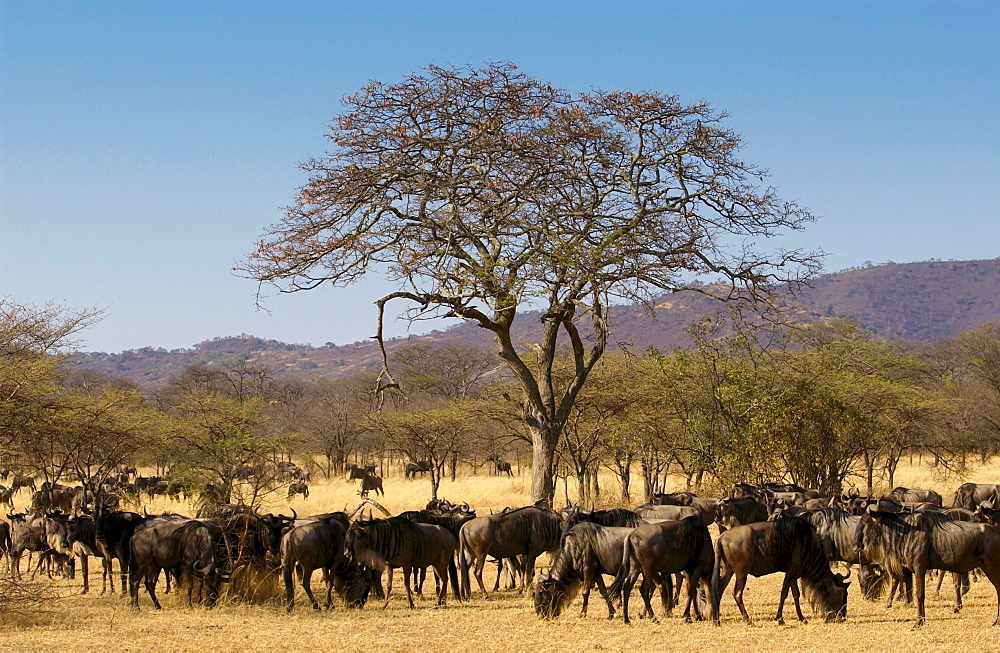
{"points": [[848, 574], [872, 508], [465, 507], [295, 515], [144, 513]]}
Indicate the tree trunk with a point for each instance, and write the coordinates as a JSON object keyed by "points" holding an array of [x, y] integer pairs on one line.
{"points": [[543, 455]]}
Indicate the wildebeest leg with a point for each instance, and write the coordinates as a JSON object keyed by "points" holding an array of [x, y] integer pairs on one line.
{"points": [[940, 581], [407, 572], [527, 572], [692, 597], [920, 580], [666, 586], [478, 573], [788, 581], [957, 580], [599, 579], [441, 574], [307, 586], [388, 587], [496, 585], [588, 582], [738, 587], [328, 579], [151, 575], [627, 590], [679, 583], [795, 598], [85, 568]]}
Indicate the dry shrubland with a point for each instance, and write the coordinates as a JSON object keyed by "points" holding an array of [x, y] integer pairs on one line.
{"points": [[73, 621]]}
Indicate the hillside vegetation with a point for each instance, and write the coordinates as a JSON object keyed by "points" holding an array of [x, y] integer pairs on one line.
{"points": [[919, 302]]}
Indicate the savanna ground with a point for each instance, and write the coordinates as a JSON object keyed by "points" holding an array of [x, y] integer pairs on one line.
{"points": [[507, 621]]}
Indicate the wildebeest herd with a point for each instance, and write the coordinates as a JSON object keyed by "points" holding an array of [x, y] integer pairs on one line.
{"points": [[896, 540]]}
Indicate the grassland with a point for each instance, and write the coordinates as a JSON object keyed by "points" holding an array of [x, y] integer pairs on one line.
{"points": [[507, 622]]}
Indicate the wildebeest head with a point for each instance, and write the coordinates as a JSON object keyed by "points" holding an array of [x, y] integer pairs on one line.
{"points": [[353, 582], [552, 595]]}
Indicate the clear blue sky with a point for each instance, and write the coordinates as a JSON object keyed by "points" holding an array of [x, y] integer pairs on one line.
{"points": [[144, 146]]}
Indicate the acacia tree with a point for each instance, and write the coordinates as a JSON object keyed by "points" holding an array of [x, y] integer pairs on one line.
{"points": [[484, 191]]}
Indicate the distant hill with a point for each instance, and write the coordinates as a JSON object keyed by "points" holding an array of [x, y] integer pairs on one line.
{"points": [[911, 301]]}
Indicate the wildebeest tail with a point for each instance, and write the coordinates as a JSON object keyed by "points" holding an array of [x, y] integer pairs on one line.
{"points": [[463, 563], [287, 565], [453, 574], [618, 583], [716, 589]]}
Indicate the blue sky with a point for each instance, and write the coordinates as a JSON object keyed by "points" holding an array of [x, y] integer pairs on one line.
{"points": [[144, 146]]}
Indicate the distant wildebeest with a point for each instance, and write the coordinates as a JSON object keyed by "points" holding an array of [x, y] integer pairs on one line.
{"points": [[355, 472], [298, 488], [503, 467], [23, 481], [7, 496], [412, 469], [788, 545], [189, 548], [970, 495], [588, 551], [910, 495], [400, 542], [658, 551], [919, 541], [613, 517], [371, 482], [525, 532], [4, 538], [320, 545], [740, 511]]}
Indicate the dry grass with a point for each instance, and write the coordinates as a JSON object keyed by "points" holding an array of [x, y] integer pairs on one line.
{"points": [[506, 622]]}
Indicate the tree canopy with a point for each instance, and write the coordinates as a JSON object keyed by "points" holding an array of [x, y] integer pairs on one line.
{"points": [[481, 191]]}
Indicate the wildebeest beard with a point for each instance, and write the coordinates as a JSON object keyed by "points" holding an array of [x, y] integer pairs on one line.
{"points": [[555, 590]]}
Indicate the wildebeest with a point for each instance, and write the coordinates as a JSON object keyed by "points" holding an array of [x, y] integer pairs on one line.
{"points": [[355, 472], [75, 535], [298, 488], [23, 481], [444, 514], [7, 496], [613, 517], [503, 467], [987, 513], [189, 548], [250, 538], [4, 538], [588, 551], [320, 545], [910, 495], [705, 506], [919, 541], [970, 495], [28, 534], [400, 542], [671, 513], [786, 545], [526, 532], [113, 532], [659, 550], [412, 469], [739, 512], [371, 482]]}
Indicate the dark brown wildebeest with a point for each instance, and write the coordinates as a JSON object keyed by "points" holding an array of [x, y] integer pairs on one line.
{"points": [[970, 495], [660, 550], [113, 532], [740, 511], [371, 482], [252, 539], [503, 467], [320, 545], [5, 542], [76, 536], [400, 542], [355, 472], [987, 513], [588, 551], [787, 545], [613, 517], [525, 532], [186, 547], [910, 495], [919, 541], [412, 469], [28, 534], [22, 480], [298, 488], [446, 515]]}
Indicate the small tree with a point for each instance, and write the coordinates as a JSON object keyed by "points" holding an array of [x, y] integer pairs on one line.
{"points": [[483, 191]]}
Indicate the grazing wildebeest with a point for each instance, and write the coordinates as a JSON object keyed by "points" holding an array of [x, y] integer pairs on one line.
{"points": [[588, 551], [919, 541], [527, 532], [970, 495], [910, 495], [787, 545], [298, 488], [659, 550], [250, 538], [414, 468], [189, 548], [400, 542], [740, 511], [371, 482], [355, 472], [113, 532], [320, 545]]}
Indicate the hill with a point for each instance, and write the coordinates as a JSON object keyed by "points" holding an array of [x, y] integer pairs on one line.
{"points": [[912, 301]]}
